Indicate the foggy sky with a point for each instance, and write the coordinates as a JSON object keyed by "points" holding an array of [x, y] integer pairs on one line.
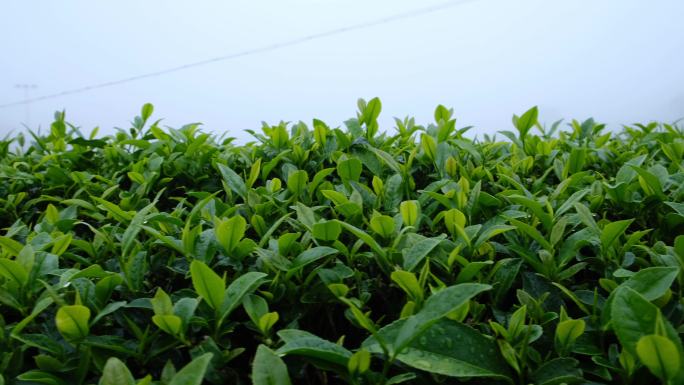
{"points": [[619, 61]]}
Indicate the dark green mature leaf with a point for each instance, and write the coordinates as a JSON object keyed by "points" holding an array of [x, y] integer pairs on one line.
{"points": [[449, 348], [652, 282], [558, 371], [238, 289], [417, 253], [311, 255], [268, 368], [612, 231], [299, 342], [326, 231], [192, 373], [436, 307], [635, 317]]}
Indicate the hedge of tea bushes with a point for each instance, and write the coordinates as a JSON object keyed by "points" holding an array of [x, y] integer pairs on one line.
{"points": [[321, 255]]}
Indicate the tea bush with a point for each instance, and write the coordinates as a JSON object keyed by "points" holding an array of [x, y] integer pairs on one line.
{"points": [[319, 255]]}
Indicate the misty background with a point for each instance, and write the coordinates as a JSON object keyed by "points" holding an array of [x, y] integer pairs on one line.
{"points": [[619, 61]]}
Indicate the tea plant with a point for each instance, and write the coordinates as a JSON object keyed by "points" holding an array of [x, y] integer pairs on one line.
{"points": [[320, 255]]}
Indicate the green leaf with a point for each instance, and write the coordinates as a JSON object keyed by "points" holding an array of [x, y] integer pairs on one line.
{"points": [[568, 331], [267, 321], [115, 372], [575, 161], [410, 210], [168, 323], [72, 322], [349, 169], [436, 306], [470, 270], [442, 113], [39, 307], [383, 225], [371, 111], [311, 255], [677, 207], [633, 317], [455, 221], [146, 111], [414, 255], [254, 172], [679, 246], [489, 232], [429, 146], [255, 307], [10, 246], [185, 309], [649, 182], [161, 303], [532, 233], [652, 282], [114, 210], [107, 310], [585, 216], [448, 348], [526, 121], [296, 181], [268, 368], [409, 283], [326, 230], [364, 237], [238, 289], [192, 373], [233, 180], [14, 271], [359, 362], [535, 207], [558, 371], [229, 232], [660, 355], [302, 343], [612, 231], [209, 285]]}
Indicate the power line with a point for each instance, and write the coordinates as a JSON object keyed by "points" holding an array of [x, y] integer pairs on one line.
{"points": [[235, 55]]}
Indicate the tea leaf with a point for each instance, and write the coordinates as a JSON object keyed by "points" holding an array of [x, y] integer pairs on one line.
{"points": [[268, 368], [72, 322], [115, 372], [660, 355], [448, 348], [192, 373], [207, 284]]}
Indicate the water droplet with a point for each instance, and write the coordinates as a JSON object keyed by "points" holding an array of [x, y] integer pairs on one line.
{"points": [[449, 343], [423, 341]]}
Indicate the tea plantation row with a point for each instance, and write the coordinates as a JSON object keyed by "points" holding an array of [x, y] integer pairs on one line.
{"points": [[319, 255]]}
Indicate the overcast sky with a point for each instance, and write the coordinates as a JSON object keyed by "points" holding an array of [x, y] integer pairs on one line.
{"points": [[619, 61]]}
